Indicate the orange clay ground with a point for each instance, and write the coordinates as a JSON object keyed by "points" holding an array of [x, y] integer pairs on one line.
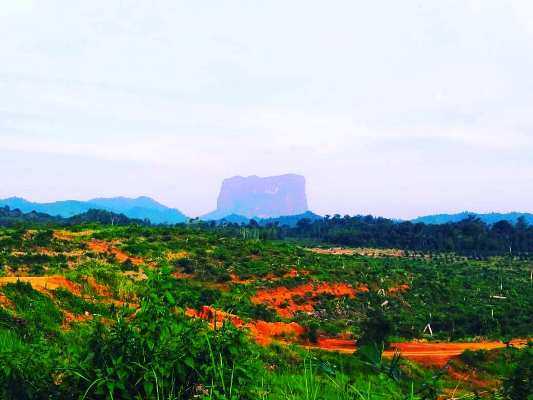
{"points": [[99, 246], [286, 301], [44, 283], [264, 333], [436, 354]]}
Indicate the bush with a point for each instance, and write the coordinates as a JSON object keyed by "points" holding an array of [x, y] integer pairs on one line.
{"points": [[375, 329], [159, 353], [519, 386], [27, 370]]}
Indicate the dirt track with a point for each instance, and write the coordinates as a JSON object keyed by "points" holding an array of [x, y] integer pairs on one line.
{"points": [[427, 353]]}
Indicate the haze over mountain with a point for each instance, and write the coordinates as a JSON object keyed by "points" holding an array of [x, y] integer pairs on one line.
{"points": [[258, 197], [427, 106], [140, 208]]}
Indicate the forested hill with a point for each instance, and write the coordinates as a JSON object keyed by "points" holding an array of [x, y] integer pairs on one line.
{"points": [[489, 218], [9, 217], [470, 236]]}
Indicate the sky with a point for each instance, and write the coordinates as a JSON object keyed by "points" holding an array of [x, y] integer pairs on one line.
{"points": [[389, 108]]}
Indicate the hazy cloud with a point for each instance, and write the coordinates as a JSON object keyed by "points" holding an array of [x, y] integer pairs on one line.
{"points": [[391, 108]]}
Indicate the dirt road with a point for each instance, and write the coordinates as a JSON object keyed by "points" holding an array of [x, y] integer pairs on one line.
{"points": [[426, 353]]}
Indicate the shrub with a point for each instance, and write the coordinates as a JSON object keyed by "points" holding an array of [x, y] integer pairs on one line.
{"points": [[160, 353]]}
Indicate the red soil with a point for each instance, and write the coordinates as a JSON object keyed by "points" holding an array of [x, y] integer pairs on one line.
{"points": [[4, 301], [262, 332], [399, 289], [100, 246], [265, 332], [426, 353], [45, 283], [438, 354], [71, 318], [335, 344], [282, 299], [99, 289]]}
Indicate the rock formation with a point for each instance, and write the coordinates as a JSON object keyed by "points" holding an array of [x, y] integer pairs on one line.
{"points": [[267, 197]]}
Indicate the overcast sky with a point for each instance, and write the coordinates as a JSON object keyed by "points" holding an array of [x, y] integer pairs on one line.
{"points": [[395, 108]]}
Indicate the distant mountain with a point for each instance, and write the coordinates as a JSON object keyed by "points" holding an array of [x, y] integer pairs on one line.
{"points": [[489, 218], [256, 197], [64, 209], [138, 208], [233, 219], [142, 208]]}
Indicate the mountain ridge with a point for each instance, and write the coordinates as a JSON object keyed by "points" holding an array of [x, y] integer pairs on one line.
{"points": [[142, 207], [489, 218]]}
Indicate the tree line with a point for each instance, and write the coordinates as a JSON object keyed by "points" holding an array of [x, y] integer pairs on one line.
{"points": [[471, 236]]}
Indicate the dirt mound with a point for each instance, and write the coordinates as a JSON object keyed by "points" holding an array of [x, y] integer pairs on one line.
{"points": [[45, 283], [289, 301], [102, 247], [336, 344], [261, 331], [98, 246], [265, 332]]}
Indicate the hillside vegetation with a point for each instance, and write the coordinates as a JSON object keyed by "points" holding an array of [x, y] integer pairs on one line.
{"points": [[140, 312]]}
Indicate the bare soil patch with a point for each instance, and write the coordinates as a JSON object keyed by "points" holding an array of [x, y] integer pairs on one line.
{"points": [[45, 283], [360, 251], [288, 301], [102, 247]]}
